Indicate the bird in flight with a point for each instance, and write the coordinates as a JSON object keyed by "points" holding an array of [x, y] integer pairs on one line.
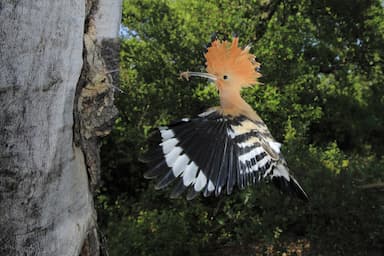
{"points": [[225, 146]]}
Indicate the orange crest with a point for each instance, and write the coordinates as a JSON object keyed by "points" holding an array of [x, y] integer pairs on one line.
{"points": [[223, 59]]}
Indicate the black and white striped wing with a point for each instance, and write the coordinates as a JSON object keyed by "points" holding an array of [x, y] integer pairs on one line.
{"points": [[260, 157], [213, 153]]}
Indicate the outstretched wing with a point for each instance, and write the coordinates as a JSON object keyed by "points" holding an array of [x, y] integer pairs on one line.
{"points": [[213, 153]]}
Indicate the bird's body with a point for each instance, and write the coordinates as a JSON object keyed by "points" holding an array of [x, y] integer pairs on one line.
{"points": [[226, 146]]}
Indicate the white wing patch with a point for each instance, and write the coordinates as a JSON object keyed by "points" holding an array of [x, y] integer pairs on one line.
{"points": [[251, 154], [248, 143], [275, 146], [211, 186], [168, 145], [166, 134], [207, 113], [200, 182], [189, 174], [171, 157], [281, 171], [180, 165]]}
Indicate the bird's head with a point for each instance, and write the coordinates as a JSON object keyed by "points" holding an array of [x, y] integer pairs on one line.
{"points": [[230, 67]]}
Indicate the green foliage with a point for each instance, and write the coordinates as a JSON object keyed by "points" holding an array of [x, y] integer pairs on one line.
{"points": [[322, 95], [148, 233]]}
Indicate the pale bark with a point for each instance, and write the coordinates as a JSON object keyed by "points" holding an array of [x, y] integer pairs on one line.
{"points": [[108, 21], [46, 203]]}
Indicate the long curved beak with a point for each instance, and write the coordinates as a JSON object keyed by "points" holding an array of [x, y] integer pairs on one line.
{"points": [[188, 74]]}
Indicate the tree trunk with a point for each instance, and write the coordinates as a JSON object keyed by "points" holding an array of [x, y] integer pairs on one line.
{"points": [[56, 101]]}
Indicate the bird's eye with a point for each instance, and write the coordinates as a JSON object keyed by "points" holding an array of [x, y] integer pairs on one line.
{"points": [[225, 77]]}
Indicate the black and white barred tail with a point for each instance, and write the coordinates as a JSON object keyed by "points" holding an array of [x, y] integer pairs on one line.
{"points": [[213, 153]]}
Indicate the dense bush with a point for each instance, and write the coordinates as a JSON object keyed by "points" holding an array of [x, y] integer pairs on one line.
{"points": [[322, 95]]}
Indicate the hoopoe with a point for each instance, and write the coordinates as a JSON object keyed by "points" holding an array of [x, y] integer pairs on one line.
{"points": [[225, 146]]}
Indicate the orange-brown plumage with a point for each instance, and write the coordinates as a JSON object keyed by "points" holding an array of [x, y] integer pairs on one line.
{"points": [[223, 59], [231, 68]]}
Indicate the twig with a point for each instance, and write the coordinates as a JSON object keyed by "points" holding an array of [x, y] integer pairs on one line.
{"points": [[377, 185]]}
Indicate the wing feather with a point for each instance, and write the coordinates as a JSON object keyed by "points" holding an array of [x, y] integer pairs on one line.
{"points": [[215, 159], [214, 152]]}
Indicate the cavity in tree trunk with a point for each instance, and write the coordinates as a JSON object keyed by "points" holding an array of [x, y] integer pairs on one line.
{"points": [[56, 101]]}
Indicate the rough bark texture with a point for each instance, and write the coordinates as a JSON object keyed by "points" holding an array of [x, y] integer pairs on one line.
{"points": [[45, 161], [94, 109]]}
